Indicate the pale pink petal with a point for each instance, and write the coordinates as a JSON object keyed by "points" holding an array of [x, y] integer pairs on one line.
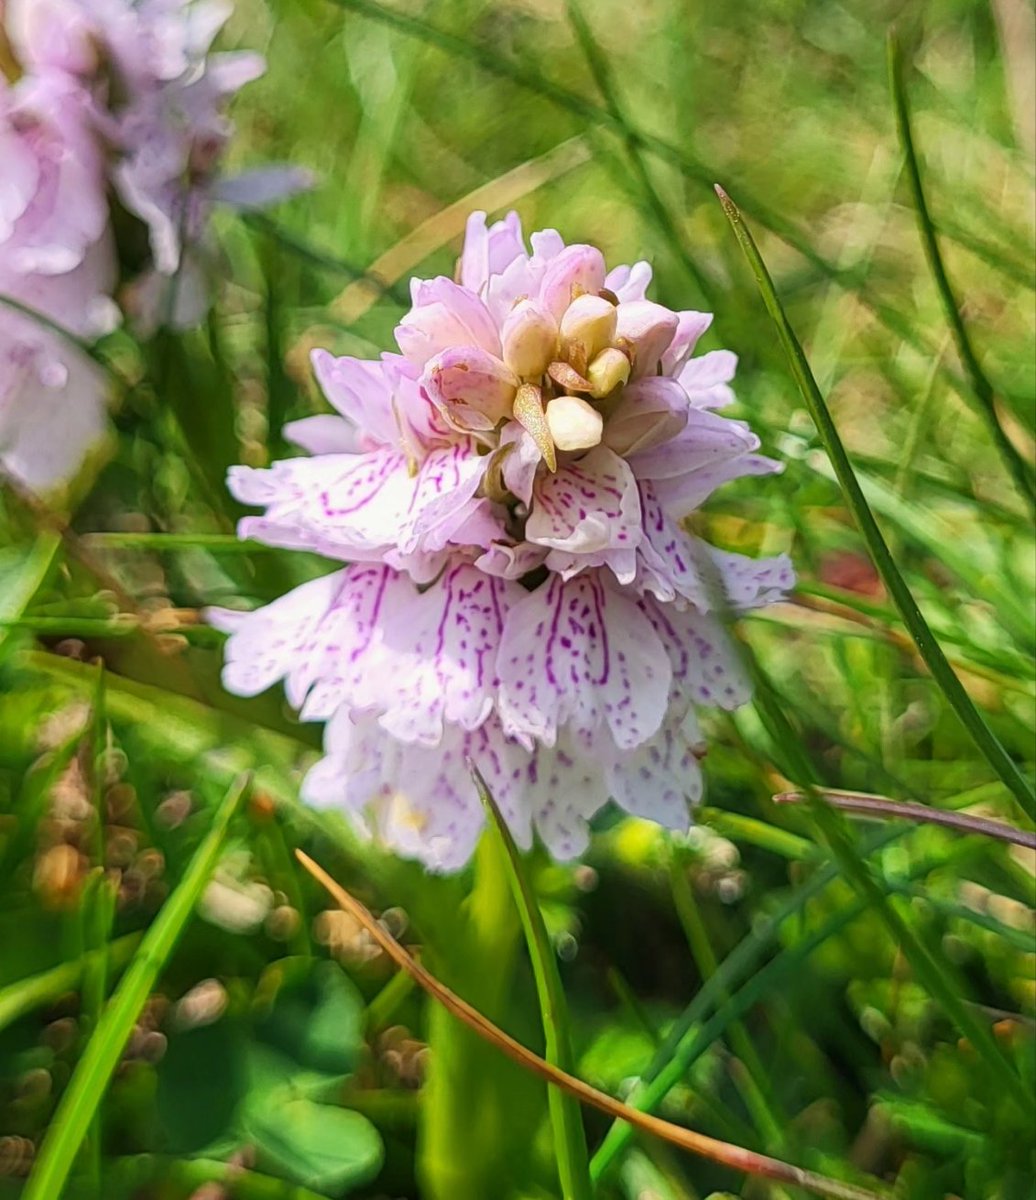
{"points": [[361, 390], [648, 328], [629, 283], [668, 556], [576, 270], [342, 505], [489, 251], [690, 327], [683, 494], [706, 378], [565, 786], [269, 643], [451, 634], [511, 562], [323, 434], [439, 501], [752, 582], [660, 779], [522, 461], [706, 665], [583, 655], [444, 316], [473, 390], [650, 412]]}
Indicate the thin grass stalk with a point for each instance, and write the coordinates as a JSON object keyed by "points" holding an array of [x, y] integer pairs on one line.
{"points": [[983, 395], [93, 1072], [930, 650], [908, 810]]}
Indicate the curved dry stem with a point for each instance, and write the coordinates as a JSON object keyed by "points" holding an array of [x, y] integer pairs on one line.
{"points": [[736, 1157], [910, 810]]}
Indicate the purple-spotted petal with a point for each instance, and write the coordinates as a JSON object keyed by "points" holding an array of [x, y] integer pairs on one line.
{"points": [[342, 505], [587, 507], [582, 655], [660, 779]]}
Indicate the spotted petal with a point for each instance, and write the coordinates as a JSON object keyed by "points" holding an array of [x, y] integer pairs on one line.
{"points": [[588, 514], [581, 654]]}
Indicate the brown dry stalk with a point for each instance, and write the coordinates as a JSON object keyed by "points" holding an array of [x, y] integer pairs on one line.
{"points": [[736, 1157], [909, 810]]}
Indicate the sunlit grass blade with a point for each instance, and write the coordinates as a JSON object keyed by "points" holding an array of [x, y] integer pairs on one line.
{"points": [[605, 81], [917, 626], [735, 1157], [982, 390], [93, 1072], [37, 991], [448, 223], [489, 59], [23, 573], [566, 1117]]}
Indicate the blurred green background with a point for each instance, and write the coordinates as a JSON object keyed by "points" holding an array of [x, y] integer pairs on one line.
{"points": [[831, 1046]]}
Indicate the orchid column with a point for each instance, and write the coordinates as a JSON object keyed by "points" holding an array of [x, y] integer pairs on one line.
{"points": [[507, 494]]}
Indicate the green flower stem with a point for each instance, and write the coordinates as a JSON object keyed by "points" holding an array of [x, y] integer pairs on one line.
{"points": [[565, 1114], [469, 1103]]}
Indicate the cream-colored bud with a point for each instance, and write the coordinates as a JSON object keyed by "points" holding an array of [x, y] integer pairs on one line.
{"points": [[589, 323], [609, 370], [574, 424], [530, 339]]}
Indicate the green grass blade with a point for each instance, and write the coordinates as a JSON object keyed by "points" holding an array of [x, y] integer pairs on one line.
{"points": [[929, 649], [982, 390], [22, 580], [565, 1115], [93, 1072], [688, 1038], [489, 59], [17, 999], [936, 976], [605, 81]]}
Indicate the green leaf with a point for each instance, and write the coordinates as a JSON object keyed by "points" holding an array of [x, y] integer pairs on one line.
{"points": [[317, 1021], [202, 1081], [321, 1146]]}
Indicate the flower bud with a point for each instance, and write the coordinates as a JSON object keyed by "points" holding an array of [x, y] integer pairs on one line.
{"points": [[609, 370], [570, 273], [589, 322], [574, 424], [648, 328], [530, 339], [473, 390]]}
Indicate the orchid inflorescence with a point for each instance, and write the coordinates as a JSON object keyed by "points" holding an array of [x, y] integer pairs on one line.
{"points": [[112, 133], [508, 494]]}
